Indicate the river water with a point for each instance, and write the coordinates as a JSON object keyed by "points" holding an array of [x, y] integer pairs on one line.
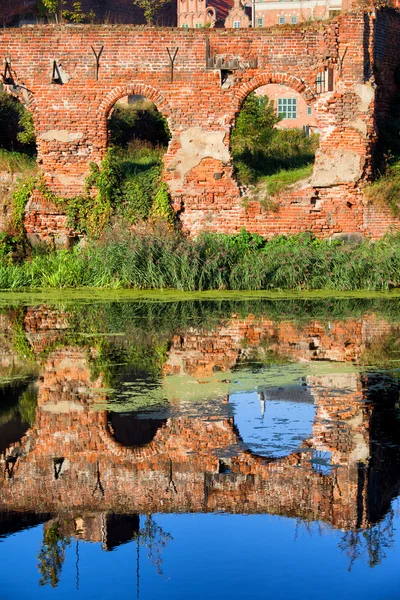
{"points": [[219, 449]]}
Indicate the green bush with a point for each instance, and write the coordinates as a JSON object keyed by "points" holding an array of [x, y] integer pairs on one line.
{"points": [[17, 131], [260, 150], [140, 121]]}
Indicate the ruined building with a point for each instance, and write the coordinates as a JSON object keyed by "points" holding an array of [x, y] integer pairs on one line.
{"points": [[346, 71]]}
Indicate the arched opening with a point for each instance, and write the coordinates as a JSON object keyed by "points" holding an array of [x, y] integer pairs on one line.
{"points": [[134, 429], [17, 165], [138, 138], [274, 140], [17, 134], [273, 422], [17, 414]]}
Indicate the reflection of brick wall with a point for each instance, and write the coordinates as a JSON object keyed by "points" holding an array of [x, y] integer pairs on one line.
{"points": [[193, 464], [200, 352]]}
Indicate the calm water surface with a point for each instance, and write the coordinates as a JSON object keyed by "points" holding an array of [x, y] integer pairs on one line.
{"points": [[200, 449]]}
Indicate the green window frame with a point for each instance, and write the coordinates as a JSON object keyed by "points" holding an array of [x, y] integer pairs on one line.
{"points": [[287, 108]]}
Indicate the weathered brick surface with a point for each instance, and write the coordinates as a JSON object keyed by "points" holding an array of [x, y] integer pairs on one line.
{"points": [[180, 469], [71, 118]]}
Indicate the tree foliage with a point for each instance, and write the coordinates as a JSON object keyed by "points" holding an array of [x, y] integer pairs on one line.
{"points": [[61, 13], [150, 8], [52, 555], [17, 129], [260, 149], [254, 125]]}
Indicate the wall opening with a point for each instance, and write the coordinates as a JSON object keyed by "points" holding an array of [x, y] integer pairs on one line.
{"points": [[133, 429], [274, 141], [17, 413], [17, 150], [139, 137], [17, 132], [273, 422]]}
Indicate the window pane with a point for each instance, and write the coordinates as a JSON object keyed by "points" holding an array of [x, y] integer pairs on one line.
{"points": [[287, 108]]}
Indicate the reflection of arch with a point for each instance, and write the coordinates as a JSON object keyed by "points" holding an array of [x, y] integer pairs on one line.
{"points": [[267, 78], [129, 429], [13, 427], [139, 89]]}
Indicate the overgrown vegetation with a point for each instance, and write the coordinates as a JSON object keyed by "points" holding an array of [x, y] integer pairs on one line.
{"points": [[160, 258], [17, 130], [262, 152], [127, 186], [385, 190], [57, 9], [138, 121], [17, 159]]}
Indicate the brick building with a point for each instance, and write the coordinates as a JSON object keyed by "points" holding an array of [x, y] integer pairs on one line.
{"points": [[277, 12], [213, 13], [290, 106], [239, 14]]}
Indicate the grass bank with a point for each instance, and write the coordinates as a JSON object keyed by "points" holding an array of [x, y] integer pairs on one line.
{"points": [[164, 259]]}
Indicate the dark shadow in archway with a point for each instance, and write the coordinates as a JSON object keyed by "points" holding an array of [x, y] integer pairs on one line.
{"points": [[17, 411], [130, 429], [17, 130]]}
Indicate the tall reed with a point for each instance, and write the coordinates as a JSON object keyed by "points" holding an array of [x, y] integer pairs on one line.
{"points": [[160, 259]]}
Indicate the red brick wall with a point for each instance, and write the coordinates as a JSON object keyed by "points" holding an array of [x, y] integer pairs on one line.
{"points": [[178, 471], [183, 458], [71, 127]]}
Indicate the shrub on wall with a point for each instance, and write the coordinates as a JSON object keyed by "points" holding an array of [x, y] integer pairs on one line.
{"points": [[17, 131], [260, 150], [138, 121]]}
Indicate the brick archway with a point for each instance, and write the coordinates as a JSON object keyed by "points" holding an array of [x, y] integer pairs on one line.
{"points": [[267, 78], [138, 89]]}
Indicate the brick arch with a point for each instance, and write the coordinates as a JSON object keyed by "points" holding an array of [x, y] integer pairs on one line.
{"points": [[265, 79], [140, 89], [245, 458], [115, 448]]}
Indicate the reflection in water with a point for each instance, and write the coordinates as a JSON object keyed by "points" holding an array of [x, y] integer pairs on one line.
{"points": [[129, 429], [245, 414]]}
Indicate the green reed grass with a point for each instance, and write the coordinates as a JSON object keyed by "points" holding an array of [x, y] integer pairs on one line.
{"points": [[17, 162], [162, 259]]}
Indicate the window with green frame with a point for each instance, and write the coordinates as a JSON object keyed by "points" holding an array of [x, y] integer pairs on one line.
{"points": [[287, 108]]}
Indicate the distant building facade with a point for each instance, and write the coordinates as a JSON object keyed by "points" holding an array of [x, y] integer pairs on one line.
{"points": [[256, 13], [213, 13], [278, 12], [291, 107]]}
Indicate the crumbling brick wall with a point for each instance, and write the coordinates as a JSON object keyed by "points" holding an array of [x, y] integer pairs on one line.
{"points": [[71, 113]]}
